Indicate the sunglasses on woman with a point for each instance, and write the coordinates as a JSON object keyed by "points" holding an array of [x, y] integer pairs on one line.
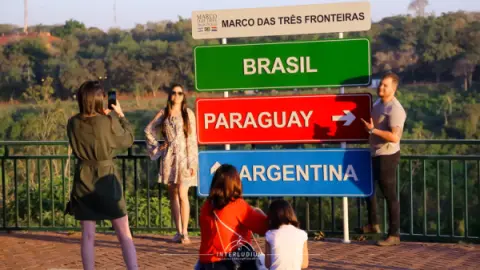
{"points": [[178, 93]]}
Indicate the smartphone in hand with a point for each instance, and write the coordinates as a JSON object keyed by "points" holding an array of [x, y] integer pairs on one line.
{"points": [[112, 99]]}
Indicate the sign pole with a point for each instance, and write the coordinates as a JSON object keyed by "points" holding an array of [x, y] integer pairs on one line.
{"points": [[346, 236], [225, 94]]}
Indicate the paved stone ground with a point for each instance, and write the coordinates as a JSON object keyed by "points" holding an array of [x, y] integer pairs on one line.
{"points": [[48, 250]]}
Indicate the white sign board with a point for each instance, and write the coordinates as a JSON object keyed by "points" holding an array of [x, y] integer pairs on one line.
{"points": [[277, 21]]}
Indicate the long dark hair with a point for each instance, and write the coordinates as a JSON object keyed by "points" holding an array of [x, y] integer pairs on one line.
{"points": [[280, 212], [90, 98], [225, 187], [168, 111]]}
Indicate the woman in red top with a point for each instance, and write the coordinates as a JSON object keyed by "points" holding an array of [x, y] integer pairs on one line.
{"points": [[225, 199]]}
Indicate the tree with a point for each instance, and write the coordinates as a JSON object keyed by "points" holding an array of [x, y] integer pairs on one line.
{"points": [[40, 93], [152, 79], [70, 27], [71, 76], [7, 28], [138, 91], [15, 74], [121, 71], [408, 46], [126, 45], [92, 51], [154, 51], [35, 50], [438, 44], [472, 113], [446, 107], [469, 39], [397, 61], [180, 56], [67, 48], [418, 6], [139, 33], [94, 67], [464, 68]]}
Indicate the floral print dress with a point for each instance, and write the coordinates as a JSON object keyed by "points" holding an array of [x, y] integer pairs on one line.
{"points": [[181, 153]]}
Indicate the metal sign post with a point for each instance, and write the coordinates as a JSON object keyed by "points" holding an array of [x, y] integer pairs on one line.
{"points": [[346, 234], [225, 94]]}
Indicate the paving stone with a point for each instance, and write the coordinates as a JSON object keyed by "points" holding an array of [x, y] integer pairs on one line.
{"points": [[55, 251]]}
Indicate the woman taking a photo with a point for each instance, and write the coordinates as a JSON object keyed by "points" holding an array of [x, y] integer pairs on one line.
{"points": [[179, 155], [97, 193]]}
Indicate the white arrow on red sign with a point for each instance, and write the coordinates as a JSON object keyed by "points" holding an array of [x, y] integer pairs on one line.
{"points": [[349, 117]]}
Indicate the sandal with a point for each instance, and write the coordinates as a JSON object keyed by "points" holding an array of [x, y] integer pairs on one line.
{"points": [[177, 238], [185, 240], [368, 229]]}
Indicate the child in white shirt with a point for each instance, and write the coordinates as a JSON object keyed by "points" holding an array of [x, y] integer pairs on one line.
{"points": [[286, 244]]}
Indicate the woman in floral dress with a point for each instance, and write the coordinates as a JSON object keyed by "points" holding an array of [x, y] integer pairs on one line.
{"points": [[179, 155]]}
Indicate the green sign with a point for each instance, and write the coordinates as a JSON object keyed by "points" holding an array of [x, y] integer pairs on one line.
{"points": [[329, 63]]}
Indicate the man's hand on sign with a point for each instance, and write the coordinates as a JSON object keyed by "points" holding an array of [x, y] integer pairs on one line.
{"points": [[368, 126], [389, 136]]}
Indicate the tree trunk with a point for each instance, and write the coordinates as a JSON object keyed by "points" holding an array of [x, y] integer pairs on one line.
{"points": [[437, 73], [465, 83], [137, 99], [12, 100]]}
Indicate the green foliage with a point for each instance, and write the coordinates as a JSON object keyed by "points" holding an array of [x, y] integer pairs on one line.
{"points": [[40, 93], [149, 57], [158, 209], [70, 27], [145, 60]]}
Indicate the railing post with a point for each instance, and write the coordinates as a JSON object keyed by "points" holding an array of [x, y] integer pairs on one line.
{"points": [[63, 193], [135, 179], [466, 197], [148, 193], [438, 200], [332, 204], [452, 204], [320, 214], [425, 230], [307, 214], [39, 178], [27, 172], [51, 192], [411, 197], [4, 189]]}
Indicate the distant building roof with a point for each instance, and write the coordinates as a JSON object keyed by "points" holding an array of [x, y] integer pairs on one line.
{"points": [[11, 38]]}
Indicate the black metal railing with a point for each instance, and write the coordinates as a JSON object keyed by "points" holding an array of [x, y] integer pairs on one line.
{"points": [[439, 193]]}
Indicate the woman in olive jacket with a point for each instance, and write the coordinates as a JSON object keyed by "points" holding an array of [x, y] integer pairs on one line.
{"points": [[97, 192]]}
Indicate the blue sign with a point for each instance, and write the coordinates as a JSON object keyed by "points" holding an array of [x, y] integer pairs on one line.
{"points": [[322, 172]]}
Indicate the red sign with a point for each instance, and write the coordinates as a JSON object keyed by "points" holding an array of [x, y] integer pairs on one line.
{"points": [[283, 119]]}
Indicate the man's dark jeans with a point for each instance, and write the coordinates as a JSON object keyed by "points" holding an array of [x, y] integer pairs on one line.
{"points": [[384, 173]]}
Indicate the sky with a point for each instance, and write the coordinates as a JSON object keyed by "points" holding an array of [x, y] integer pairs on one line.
{"points": [[99, 13]]}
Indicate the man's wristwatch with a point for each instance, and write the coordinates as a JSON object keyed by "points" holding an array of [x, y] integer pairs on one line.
{"points": [[370, 131]]}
